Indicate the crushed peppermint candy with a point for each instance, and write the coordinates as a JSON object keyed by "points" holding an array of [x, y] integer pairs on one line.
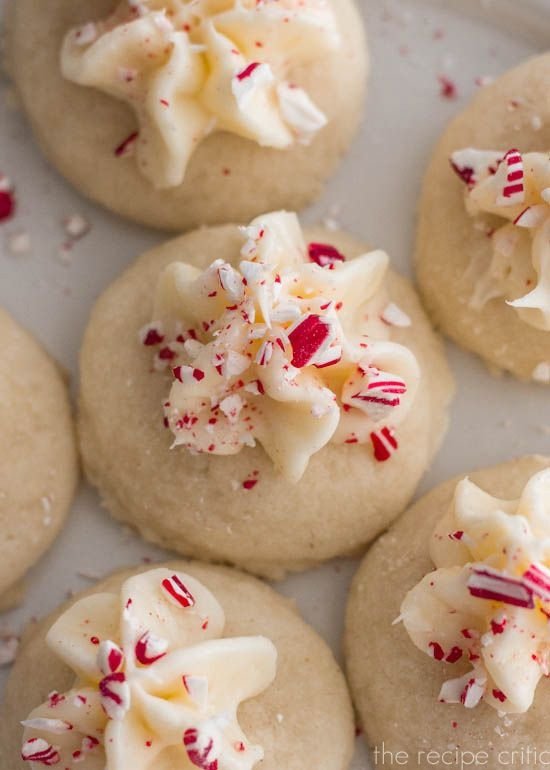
{"points": [[282, 325], [7, 199], [494, 613]]}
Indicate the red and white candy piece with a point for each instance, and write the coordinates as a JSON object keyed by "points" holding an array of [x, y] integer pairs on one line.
{"points": [[177, 593], [467, 689], [115, 696], [188, 375], [513, 191], [384, 444], [44, 725], [378, 394], [150, 648], [325, 255], [110, 658], [200, 749], [311, 339], [488, 583], [197, 689], [532, 216], [537, 579], [40, 751], [474, 165]]}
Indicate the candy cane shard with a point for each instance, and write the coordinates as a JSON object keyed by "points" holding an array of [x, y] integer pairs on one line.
{"points": [[177, 592], [487, 583], [40, 751], [513, 191]]}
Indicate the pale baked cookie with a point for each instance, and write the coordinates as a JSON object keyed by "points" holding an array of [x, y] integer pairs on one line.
{"points": [[271, 447], [39, 469], [179, 113], [461, 648], [149, 668], [482, 256]]}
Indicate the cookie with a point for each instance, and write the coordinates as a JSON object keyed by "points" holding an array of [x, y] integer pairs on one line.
{"points": [[482, 266], [177, 114], [462, 647], [271, 401], [174, 645], [39, 470]]}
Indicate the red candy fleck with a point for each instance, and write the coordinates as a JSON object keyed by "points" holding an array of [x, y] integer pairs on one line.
{"points": [[126, 147], [177, 591], [457, 535], [436, 650], [7, 201], [497, 627], [248, 70], [454, 655], [499, 695], [324, 255], [249, 483], [448, 89], [153, 337]]}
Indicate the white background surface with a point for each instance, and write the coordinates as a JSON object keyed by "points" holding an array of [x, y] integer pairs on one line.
{"points": [[374, 195]]}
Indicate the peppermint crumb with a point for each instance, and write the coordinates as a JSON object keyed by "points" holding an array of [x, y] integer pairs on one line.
{"points": [[536, 122], [447, 88], [18, 243], [279, 718], [8, 649], [76, 226]]}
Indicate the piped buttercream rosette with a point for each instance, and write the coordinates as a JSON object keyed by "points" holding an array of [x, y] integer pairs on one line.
{"points": [[289, 347], [157, 687], [514, 187], [486, 607], [191, 67]]}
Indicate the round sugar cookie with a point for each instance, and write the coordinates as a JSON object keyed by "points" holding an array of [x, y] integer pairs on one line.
{"points": [[84, 132], [39, 468], [303, 719], [238, 508], [454, 249], [392, 680]]}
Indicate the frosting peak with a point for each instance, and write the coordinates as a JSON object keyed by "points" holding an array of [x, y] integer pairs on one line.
{"points": [[191, 67], [156, 685], [288, 347], [516, 188], [487, 604]]}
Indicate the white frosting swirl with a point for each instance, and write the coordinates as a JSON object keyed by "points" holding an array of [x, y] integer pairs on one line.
{"points": [[515, 188], [487, 604], [191, 67], [156, 684], [289, 347]]}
